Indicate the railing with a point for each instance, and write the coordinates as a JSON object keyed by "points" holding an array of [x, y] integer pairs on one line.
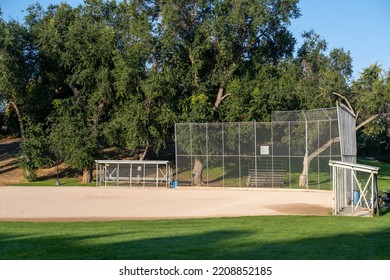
{"points": [[349, 192]]}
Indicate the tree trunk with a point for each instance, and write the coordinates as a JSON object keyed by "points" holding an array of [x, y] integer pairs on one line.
{"points": [[87, 175], [303, 180], [197, 173], [20, 120], [74, 89], [143, 155], [219, 98], [30, 175]]}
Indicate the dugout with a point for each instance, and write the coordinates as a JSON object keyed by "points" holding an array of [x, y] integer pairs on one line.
{"points": [[154, 173]]}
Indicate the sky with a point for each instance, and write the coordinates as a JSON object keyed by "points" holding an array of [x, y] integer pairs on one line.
{"points": [[359, 26]]}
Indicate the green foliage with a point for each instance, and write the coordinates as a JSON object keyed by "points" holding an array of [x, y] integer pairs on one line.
{"points": [[72, 137], [121, 73], [199, 108], [370, 93], [34, 151], [370, 96]]}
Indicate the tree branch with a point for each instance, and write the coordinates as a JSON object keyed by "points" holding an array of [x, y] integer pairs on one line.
{"points": [[219, 99], [20, 119], [74, 89], [323, 147], [346, 101], [370, 119], [226, 95]]}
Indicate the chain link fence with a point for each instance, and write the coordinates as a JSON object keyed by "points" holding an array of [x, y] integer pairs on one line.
{"points": [[291, 151]]}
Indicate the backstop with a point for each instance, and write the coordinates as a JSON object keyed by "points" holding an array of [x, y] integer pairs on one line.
{"points": [[291, 151]]}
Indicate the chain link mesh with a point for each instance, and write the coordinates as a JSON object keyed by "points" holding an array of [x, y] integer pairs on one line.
{"points": [[259, 154]]}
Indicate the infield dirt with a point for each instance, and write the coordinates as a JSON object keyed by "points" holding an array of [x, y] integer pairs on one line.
{"points": [[118, 203], [122, 203]]}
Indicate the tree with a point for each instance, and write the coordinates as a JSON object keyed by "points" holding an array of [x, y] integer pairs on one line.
{"points": [[121, 74], [16, 67], [369, 97], [143, 109], [22, 88], [321, 76], [369, 101], [81, 45], [72, 137], [205, 46]]}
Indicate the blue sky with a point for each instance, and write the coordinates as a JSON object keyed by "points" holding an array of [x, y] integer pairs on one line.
{"points": [[359, 26]]}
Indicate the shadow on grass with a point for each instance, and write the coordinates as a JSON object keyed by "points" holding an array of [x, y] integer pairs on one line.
{"points": [[218, 244], [385, 210]]}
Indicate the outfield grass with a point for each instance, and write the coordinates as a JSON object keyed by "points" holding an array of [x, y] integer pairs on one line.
{"points": [[384, 173], [268, 237]]}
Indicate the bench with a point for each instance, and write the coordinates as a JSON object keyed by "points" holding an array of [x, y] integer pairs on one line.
{"points": [[138, 180], [266, 177]]}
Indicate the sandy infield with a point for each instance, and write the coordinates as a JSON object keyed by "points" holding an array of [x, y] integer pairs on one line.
{"points": [[119, 203]]}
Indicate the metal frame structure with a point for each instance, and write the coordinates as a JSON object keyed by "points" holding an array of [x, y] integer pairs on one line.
{"points": [[133, 173], [347, 132], [236, 151], [347, 179]]}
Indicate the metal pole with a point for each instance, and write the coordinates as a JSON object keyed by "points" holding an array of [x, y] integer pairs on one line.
{"points": [[57, 181], [375, 186], [335, 202], [176, 156], [223, 156], [239, 154], [156, 175], [318, 157], [289, 151], [117, 175], [131, 174], [97, 174], [255, 132], [207, 155], [272, 153], [306, 151], [192, 167], [143, 176], [353, 202]]}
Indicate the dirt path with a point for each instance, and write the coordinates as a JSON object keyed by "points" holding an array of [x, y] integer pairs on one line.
{"points": [[117, 203], [10, 173]]}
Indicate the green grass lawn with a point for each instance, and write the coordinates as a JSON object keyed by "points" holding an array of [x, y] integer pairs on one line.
{"points": [[384, 173], [269, 237]]}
